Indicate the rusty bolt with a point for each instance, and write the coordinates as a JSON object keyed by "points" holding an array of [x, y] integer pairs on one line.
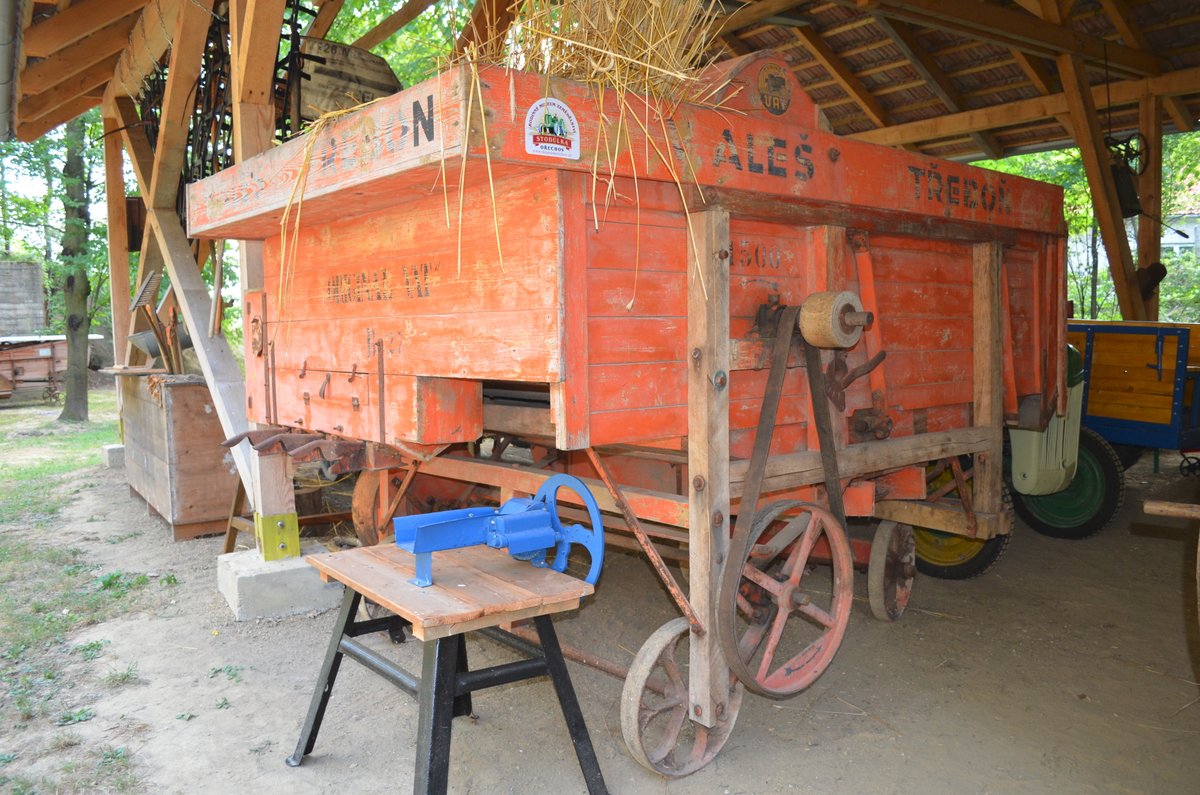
{"points": [[281, 524], [698, 483], [720, 379], [718, 519], [834, 154], [337, 428], [696, 355], [722, 255], [720, 710], [283, 546], [697, 710]]}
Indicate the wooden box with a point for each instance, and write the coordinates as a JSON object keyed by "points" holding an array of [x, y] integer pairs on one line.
{"points": [[173, 457]]}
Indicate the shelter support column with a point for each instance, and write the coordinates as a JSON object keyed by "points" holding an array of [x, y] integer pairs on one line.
{"points": [[1103, 187], [988, 378], [1149, 231], [118, 238], [708, 453]]}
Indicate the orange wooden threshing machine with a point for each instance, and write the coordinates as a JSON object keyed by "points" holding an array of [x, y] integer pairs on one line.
{"points": [[711, 316]]}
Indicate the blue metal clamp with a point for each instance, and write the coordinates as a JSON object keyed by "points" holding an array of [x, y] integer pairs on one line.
{"points": [[528, 527]]}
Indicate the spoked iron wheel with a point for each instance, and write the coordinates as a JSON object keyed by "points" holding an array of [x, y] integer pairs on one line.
{"points": [[780, 618], [891, 571], [654, 708]]}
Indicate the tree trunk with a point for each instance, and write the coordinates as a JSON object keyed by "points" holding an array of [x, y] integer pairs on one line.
{"points": [[76, 287], [1095, 268], [5, 226]]}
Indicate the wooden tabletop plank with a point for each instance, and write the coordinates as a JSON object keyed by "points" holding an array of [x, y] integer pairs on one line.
{"points": [[474, 587]]}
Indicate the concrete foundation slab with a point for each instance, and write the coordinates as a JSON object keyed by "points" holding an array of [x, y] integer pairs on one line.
{"points": [[255, 588], [114, 456]]}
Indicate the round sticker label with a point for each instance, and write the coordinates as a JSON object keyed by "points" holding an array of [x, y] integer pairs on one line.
{"points": [[551, 129], [774, 91]]}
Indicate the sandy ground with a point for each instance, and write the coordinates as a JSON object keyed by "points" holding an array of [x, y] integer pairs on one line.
{"points": [[1070, 667]]}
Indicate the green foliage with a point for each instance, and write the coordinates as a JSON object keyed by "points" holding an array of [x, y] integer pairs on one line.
{"points": [[81, 715], [92, 649], [232, 672], [415, 52], [1089, 284]]}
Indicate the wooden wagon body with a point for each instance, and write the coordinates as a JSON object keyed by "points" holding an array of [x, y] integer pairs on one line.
{"points": [[495, 252], [28, 363]]}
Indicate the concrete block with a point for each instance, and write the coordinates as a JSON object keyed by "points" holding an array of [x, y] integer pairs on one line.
{"points": [[114, 456], [255, 588]]}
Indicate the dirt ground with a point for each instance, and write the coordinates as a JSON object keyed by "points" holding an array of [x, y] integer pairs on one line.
{"points": [[1070, 667]]}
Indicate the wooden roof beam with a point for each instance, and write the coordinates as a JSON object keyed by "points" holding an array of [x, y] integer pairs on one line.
{"points": [[35, 107], [1121, 16], [749, 14], [381, 32], [1013, 29], [1184, 81], [326, 15], [80, 20], [259, 22], [32, 130], [841, 73], [1103, 187], [490, 20], [148, 41], [905, 38], [79, 56]]}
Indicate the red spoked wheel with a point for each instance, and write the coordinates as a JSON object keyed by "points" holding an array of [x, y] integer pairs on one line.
{"points": [[781, 616]]}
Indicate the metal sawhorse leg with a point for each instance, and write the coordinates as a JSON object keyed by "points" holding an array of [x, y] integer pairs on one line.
{"points": [[444, 691]]}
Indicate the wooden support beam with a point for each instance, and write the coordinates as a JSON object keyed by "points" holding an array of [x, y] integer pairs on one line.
{"points": [[259, 23], [31, 131], [178, 102], [905, 39], [1013, 29], [324, 20], [226, 383], [81, 55], [708, 453], [490, 21], [148, 41], [32, 108], [398, 19], [1104, 190], [753, 13], [987, 411], [1149, 231], [1121, 16], [141, 160], [80, 20], [118, 238], [840, 72], [1184, 81]]}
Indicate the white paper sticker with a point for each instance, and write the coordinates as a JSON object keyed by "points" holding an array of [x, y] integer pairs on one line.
{"points": [[551, 130]]}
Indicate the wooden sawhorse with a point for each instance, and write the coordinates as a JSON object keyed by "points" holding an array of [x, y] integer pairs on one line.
{"points": [[473, 588]]}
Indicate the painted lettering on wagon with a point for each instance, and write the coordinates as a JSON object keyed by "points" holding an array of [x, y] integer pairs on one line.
{"points": [[361, 142], [781, 159], [358, 287], [952, 190]]}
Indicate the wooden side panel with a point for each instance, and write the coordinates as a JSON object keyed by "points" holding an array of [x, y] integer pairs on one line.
{"points": [[201, 484], [146, 455]]}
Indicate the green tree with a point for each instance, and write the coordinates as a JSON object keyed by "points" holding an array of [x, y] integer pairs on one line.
{"points": [[1089, 284], [76, 287], [416, 51]]}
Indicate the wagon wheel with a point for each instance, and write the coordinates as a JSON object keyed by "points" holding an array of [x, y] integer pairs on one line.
{"points": [[1190, 465], [949, 556], [780, 624], [654, 708], [1089, 501], [891, 570]]}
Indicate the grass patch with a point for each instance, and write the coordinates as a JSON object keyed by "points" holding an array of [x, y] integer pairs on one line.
{"points": [[115, 677], [81, 715], [232, 672], [37, 452]]}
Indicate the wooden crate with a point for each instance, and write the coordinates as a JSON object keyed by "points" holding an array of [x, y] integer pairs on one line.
{"points": [[173, 457]]}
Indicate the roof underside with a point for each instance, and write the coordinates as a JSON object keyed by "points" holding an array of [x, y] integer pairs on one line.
{"points": [[961, 79]]}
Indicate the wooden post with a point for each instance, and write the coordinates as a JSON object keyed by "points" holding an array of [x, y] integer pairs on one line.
{"points": [[118, 239], [988, 377], [1149, 233], [708, 452], [1100, 181]]}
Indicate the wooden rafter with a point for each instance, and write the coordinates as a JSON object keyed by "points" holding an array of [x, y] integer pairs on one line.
{"points": [[905, 39], [31, 131], [77, 57], [1012, 29], [35, 107], [1103, 188], [187, 49], [118, 237], [148, 40], [841, 73], [398, 19], [326, 15], [490, 21], [753, 13], [69, 26], [1184, 81], [1119, 14]]}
